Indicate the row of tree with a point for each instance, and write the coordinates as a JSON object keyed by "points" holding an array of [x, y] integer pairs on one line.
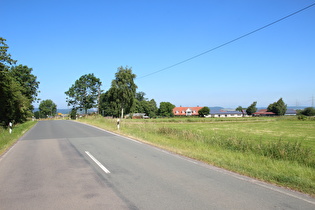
{"points": [[279, 108], [18, 88], [121, 98], [308, 111]]}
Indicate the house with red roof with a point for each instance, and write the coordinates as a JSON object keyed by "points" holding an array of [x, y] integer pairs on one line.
{"points": [[186, 111], [263, 112]]}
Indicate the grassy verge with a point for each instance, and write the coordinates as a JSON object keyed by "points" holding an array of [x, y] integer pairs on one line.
{"points": [[276, 150], [7, 139]]}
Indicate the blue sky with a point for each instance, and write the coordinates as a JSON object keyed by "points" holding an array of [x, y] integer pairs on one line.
{"points": [[65, 39]]}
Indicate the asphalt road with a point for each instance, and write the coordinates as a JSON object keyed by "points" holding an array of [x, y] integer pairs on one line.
{"points": [[69, 165]]}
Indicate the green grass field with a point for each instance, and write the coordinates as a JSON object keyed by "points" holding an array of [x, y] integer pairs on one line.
{"points": [[277, 150], [7, 139]]}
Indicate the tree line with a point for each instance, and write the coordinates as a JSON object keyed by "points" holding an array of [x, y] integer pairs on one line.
{"points": [[18, 88], [121, 98], [278, 107]]}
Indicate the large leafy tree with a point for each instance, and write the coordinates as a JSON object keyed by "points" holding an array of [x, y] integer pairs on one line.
{"points": [[47, 108], [252, 108], [84, 93], [108, 107], [279, 107], [166, 109], [143, 105], [123, 90], [5, 57], [27, 80], [152, 108], [14, 106], [140, 96], [18, 88], [239, 108], [204, 111]]}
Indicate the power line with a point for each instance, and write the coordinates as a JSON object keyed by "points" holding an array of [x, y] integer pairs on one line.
{"points": [[226, 43]]}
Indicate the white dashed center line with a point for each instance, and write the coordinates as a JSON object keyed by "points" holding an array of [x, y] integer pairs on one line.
{"points": [[98, 162]]}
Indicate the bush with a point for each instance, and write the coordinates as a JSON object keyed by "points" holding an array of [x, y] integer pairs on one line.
{"points": [[309, 111], [204, 111], [302, 117]]}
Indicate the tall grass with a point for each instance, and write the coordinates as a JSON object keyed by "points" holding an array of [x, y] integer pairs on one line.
{"points": [[7, 139], [280, 150]]}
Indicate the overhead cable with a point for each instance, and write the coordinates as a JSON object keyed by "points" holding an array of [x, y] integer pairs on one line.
{"points": [[226, 43]]}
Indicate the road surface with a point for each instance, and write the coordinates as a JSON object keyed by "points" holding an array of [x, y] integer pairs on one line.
{"points": [[69, 165]]}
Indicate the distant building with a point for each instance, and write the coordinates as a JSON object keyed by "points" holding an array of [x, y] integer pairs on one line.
{"points": [[137, 116], [263, 112], [226, 114], [186, 111], [290, 112]]}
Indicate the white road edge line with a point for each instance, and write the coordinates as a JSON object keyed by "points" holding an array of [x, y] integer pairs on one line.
{"points": [[116, 134], [98, 162]]}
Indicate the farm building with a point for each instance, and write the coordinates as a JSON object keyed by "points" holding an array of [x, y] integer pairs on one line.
{"points": [[186, 111], [137, 116], [227, 114], [263, 112], [290, 112]]}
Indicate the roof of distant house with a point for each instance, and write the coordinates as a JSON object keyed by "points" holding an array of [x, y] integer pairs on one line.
{"points": [[263, 112], [290, 111], [225, 112], [182, 110]]}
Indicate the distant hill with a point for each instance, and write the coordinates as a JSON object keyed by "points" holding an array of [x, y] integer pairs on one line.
{"points": [[216, 108], [63, 111]]}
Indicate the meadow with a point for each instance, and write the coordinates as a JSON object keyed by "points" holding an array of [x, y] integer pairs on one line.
{"points": [[7, 139], [279, 150]]}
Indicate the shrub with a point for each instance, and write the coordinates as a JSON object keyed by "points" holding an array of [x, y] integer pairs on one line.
{"points": [[309, 111]]}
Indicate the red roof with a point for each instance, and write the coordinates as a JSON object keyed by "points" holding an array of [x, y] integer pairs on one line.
{"points": [[182, 111], [263, 112]]}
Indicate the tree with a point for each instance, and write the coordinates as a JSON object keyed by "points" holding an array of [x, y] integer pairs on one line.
{"points": [[140, 96], [166, 109], [27, 80], [143, 105], [14, 106], [47, 108], [84, 93], [152, 111], [252, 108], [309, 111], [73, 113], [108, 106], [239, 108], [204, 111], [5, 58], [123, 90], [18, 88], [279, 107]]}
